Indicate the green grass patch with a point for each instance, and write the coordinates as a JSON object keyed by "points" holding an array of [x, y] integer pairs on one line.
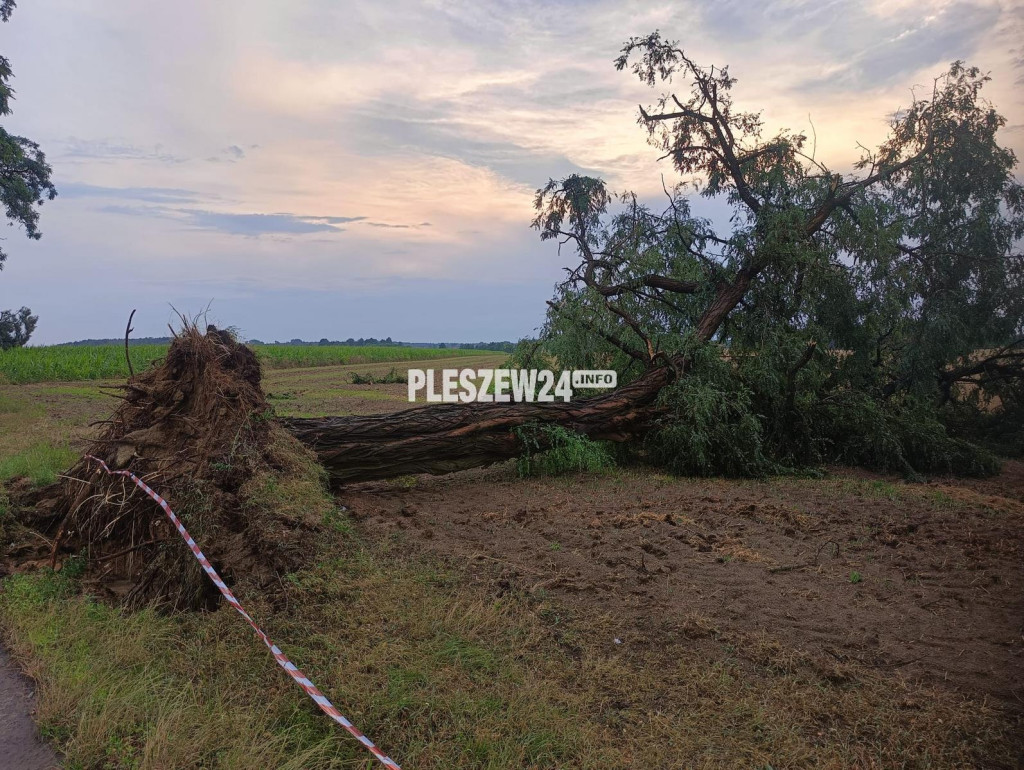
{"points": [[12, 405], [40, 463], [295, 356], [369, 395], [83, 391]]}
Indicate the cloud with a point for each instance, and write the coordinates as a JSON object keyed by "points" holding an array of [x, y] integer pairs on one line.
{"points": [[397, 227], [145, 194], [252, 225], [113, 149], [263, 224], [230, 154], [436, 121], [446, 136], [875, 51]]}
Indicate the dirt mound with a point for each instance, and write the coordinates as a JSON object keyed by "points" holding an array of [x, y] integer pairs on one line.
{"points": [[198, 430]]}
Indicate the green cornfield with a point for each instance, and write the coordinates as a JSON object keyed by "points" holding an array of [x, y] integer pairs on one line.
{"points": [[100, 362]]}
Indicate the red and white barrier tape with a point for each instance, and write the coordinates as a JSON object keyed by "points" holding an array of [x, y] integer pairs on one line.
{"points": [[311, 689]]}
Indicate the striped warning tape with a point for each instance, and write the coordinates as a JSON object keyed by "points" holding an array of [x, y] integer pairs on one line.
{"points": [[311, 689]]}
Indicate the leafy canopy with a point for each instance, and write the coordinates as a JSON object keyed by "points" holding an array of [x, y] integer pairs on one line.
{"points": [[24, 174], [898, 280]]}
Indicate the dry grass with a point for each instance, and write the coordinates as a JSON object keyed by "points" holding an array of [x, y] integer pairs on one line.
{"points": [[444, 675]]}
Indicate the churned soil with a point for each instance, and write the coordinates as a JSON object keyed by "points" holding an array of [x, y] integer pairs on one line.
{"points": [[924, 581]]}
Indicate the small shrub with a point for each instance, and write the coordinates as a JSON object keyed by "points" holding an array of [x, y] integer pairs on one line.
{"points": [[551, 450], [393, 377]]}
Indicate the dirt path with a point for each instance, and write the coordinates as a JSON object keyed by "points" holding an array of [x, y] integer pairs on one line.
{"points": [[20, 745]]}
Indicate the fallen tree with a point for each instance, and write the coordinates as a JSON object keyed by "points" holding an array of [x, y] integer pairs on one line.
{"points": [[446, 438], [720, 340], [907, 264]]}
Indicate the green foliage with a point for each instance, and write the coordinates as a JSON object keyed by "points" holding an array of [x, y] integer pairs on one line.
{"points": [[60, 363], [834, 315], [24, 174], [16, 328], [900, 436], [24, 183], [295, 356], [737, 419], [710, 428], [392, 377], [1000, 430], [550, 450]]}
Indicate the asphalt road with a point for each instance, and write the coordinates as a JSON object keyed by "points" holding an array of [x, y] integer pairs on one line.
{"points": [[20, 745]]}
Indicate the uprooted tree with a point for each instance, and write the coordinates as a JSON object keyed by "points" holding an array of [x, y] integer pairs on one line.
{"points": [[835, 320], [832, 321]]}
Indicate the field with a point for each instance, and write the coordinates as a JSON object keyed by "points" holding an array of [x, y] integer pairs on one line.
{"points": [[619, 619], [59, 363]]}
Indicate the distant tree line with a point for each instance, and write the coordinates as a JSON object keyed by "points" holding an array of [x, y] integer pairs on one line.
{"points": [[503, 347], [110, 341]]}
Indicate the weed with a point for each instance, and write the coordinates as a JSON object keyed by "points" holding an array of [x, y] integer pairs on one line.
{"points": [[551, 450], [884, 489], [855, 577], [393, 377], [338, 521], [406, 482]]}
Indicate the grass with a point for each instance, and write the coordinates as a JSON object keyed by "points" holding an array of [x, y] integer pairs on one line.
{"points": [[442, 675], [40, 463], [99, 362], [10, 404]]}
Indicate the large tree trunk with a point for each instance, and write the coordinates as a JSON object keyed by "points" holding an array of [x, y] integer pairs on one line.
{"points": [[442, 438], [452, 437]]}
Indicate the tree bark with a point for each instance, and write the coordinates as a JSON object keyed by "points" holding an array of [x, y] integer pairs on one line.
{"points": [[442, 438]]}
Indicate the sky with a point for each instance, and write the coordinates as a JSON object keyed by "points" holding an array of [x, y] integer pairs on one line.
{"points": [[333, 169]]}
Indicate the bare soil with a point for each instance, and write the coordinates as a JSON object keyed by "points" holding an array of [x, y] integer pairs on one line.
{"points": [[924, 581]]}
